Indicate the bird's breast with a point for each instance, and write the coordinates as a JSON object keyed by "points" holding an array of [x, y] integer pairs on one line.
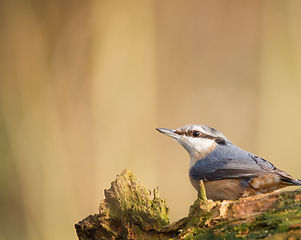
{"points": [[226, 189], [232, 189]]}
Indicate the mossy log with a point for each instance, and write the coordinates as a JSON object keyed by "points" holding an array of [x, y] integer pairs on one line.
{"points": [[130, 211]]}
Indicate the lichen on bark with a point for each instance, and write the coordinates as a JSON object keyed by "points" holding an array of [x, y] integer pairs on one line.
{"points": [[130, 211]]}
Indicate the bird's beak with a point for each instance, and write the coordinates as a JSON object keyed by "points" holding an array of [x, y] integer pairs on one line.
{"points": [[169, 132]]}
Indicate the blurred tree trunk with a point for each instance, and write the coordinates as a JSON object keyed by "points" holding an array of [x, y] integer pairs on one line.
{"points": [[130, 212]]}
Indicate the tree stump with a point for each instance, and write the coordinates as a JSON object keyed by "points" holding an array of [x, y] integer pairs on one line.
{"points": [[130, 211]]}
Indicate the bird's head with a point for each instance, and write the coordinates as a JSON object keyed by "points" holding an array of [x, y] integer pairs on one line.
{"points": [[198, 140]]}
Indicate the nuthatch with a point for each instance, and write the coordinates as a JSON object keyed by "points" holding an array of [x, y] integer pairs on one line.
{"points": [[228, 171]]}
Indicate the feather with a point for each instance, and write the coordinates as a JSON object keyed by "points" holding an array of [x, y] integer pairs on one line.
{"points": [[230, 162]]}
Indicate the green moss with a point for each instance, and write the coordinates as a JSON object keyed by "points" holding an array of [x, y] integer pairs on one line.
{"points": [[131, 202], [130, 211], [284, 217]]}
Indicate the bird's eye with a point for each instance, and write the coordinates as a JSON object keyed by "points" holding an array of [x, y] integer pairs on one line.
{"points": [[196, 133]]}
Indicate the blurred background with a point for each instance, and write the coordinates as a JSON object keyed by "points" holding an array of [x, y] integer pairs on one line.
{"points": [[84, 84]]}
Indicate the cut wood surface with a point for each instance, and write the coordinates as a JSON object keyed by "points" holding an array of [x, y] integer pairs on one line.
{"points": [[130, 211]]}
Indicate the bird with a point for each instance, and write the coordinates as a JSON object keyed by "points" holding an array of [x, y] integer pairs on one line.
{"points": [[227, 171]]}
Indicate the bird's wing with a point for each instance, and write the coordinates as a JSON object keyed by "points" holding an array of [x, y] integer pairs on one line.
{"points": [[224, 168]]}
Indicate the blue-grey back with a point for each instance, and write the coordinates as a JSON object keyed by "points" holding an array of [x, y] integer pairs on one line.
{"points": [[229, 150], [229, 161]]}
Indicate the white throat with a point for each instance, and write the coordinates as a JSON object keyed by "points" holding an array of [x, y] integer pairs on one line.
{"points": [[197, 148]]}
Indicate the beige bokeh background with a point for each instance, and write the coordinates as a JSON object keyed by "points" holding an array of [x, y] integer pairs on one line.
{"points": [[84, 84]]}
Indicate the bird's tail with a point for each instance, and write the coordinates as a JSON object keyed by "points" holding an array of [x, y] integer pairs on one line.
{"points": [[289, 180], [296, 182]]}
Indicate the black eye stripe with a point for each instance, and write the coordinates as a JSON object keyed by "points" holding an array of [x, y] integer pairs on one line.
{"points": [[196, 133], [204, 135], [190, 133]]}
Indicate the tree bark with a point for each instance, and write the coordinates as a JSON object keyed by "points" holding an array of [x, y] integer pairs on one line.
{"points": [[130, 211]]}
